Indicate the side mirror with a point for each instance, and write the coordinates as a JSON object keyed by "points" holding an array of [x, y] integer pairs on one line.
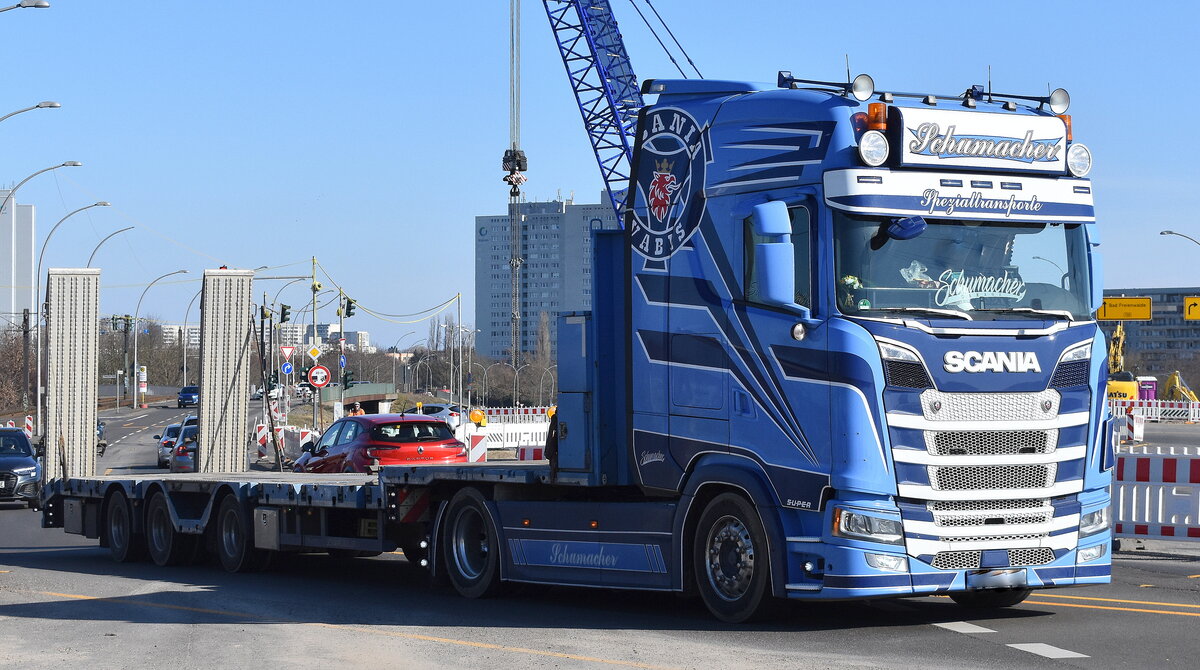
{"points": [[906, 228], [158, 437], [774, 270]]}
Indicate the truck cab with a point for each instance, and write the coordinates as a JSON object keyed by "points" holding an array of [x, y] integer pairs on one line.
{"points": [[872, 316]]}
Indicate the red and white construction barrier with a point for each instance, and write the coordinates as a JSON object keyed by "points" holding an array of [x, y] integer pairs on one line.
{"points": [[260, 436], [530, 453], [11, 424], [1155, 494], [478, 449], [28, 426], [1157, 410]]}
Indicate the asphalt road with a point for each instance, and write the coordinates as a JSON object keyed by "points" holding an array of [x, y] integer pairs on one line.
{"points": [[63, 601]]}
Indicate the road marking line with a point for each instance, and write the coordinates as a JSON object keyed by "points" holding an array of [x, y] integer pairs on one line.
{"points": [[1105, 607], [1115, 600], [1192, 576], [1042, 649], [5, 571], [1145, 586], [358, 629], [963, 627]]}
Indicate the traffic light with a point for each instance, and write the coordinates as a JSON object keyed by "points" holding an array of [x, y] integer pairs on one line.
{"points": [[347, 377], [350, 304], [115, 319], [128, 318], [262, 312], [285, 313], [274, 380]]}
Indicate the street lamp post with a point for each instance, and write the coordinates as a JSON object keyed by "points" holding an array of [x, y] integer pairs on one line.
{"points": [[110, 236], [183, 336], [516, 384], [45, 104], [21, 183], [486, 371], [1171, 232], [396, 354], [36, 300], [542, 383], [137, 310], [28, 4], [484, 368]]}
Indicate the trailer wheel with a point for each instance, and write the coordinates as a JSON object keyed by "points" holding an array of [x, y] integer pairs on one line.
{"points": [[471, 546], [234, 543], [166, 545], [124, 544], [731, 561], [990, 599]]}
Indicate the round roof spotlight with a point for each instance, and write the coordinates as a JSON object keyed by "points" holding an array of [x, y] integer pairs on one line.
{"points": [[873, 148], [1079, 160], [1059, 101], [863, 87]]}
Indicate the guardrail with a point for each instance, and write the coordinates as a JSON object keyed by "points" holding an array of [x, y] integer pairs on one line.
{"points": [[1156, 494]]}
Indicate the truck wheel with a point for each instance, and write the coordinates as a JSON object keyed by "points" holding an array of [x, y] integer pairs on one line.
{"points": [[234, 543], [124, 545], [166, 545], [731, 561], [471, 546], [990, 599]]}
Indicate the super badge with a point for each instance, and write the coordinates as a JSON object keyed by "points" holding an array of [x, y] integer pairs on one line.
{"points": [[670, 171]]}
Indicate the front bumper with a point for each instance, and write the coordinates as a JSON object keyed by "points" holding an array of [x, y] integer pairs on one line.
{"points": [[22, 487], [824, 570]]}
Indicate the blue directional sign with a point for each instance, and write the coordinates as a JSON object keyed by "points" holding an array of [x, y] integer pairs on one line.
{"points": [[342, 360], [286, 368]]}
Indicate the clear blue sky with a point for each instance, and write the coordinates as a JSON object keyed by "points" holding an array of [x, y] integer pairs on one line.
{"points": [[242, 133]]}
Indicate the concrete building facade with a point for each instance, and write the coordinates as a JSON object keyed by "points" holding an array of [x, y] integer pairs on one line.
{"points": [[556, 243], [1167, 342], [17, 260]]}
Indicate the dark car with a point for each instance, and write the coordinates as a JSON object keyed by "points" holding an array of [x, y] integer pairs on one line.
{"points": [[355, 443], [183, 451], [165, 442], [188, 395], [451, 414], [19, 471]]}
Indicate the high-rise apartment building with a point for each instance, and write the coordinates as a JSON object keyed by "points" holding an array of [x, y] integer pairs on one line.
{"points": [[556, 244], [16, 258]]}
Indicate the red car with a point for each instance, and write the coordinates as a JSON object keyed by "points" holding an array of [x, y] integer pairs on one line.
{"points": [[356, 442]]}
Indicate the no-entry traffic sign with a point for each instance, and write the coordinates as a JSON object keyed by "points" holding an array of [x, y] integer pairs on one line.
{"points": [[318, 376]]}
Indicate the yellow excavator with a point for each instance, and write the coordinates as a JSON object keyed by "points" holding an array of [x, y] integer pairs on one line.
{"points": [[1121, 384], [1177, 389]]}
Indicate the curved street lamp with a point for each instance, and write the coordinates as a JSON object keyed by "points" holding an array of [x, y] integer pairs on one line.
{"points": [[516, 383], [27, 4], [36, 300], [481, 365], [542, 383], [396, 354], [21, 183], [110, 236], [45, 104], [183, 334], [137, 311], [1171, 232]]}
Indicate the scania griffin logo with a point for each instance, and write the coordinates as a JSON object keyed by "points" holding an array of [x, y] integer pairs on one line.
{"points": [[672, 168], [991, 361]]}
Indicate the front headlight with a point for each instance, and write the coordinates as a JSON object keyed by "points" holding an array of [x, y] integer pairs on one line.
{"points": [[892, 352], [1090, 553], [25, 472], [1094, 522], [861, 526]]}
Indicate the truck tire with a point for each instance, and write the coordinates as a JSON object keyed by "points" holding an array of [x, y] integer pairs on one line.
{"points": [[471, 546], [990, 599], [166, 545], [731, 560], [234, 539], [124, 544]]}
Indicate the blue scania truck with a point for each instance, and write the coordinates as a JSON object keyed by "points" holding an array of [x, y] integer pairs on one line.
{"points": [[842, 349]]}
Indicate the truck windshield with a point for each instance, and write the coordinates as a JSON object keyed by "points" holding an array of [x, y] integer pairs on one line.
{"points": [[979, 270]]}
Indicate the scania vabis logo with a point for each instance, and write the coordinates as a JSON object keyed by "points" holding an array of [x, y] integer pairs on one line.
{"points": [[673, 157]]}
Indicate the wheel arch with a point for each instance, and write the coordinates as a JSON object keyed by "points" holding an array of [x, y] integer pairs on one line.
{"points": [[710, 478]]}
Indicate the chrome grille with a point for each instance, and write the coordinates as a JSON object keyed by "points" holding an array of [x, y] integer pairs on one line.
{"points": [[7, 482], [987, 505], [986, 477], [989, 519], [942, 406], [990, 442], [995, 538], [957, 560], [1033, 556]]}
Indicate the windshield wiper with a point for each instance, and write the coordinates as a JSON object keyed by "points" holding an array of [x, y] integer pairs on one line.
{"points": [[1058, 313], [926, 310]]}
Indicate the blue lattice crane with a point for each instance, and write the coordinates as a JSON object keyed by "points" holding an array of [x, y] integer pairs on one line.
{"points": [[605, 85]]}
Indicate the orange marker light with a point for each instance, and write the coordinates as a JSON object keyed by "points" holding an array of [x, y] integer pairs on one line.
{"points": [[525, 522], [594, 524], [1067, 120], [877, 116]]}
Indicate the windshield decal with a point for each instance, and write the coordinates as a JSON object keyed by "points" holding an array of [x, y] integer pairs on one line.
{"points": [[958, 289], [934, 203]]}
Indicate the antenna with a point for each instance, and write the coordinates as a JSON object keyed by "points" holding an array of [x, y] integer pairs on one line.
{"points": [[989, 83], [847, 68]]}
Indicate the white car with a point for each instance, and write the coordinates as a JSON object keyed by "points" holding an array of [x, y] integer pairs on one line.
{"points": [[451, 414]]}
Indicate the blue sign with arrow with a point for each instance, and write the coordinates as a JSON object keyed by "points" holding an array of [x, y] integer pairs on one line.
{"points": [[286, 368], [342, 360]]}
